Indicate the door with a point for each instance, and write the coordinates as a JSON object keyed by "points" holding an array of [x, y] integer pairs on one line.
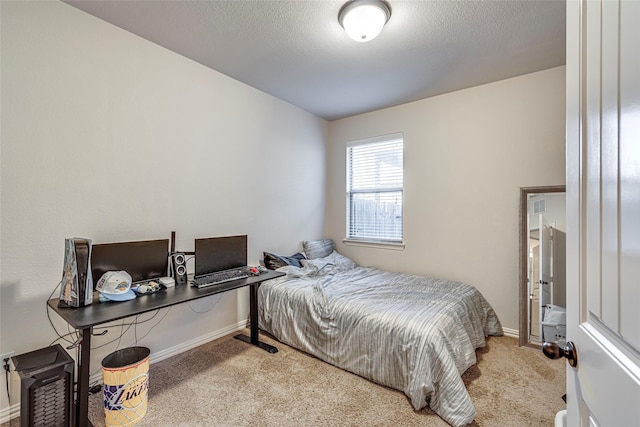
{"points": [[534, 290], [545, 265], [603, 212], [559, 268]]}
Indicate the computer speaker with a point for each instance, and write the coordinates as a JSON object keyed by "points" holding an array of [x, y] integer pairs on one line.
{"points": [[179, 265]]}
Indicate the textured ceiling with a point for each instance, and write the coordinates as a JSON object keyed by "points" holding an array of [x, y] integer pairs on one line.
{"points": [[297, 51]]}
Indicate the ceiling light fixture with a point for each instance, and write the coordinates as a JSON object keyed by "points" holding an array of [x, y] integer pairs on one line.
{"points": [[363, 19]]}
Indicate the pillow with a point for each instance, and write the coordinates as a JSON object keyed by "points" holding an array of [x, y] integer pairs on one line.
{"points": [[318, 248], [273, 261]]}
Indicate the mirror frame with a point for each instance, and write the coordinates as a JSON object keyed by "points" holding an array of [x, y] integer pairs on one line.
{"points": [[524, 288]]}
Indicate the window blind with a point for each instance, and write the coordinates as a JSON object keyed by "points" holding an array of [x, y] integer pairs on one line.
{"points": [[374, 190]]}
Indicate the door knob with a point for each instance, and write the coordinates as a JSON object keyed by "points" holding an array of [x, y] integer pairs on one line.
{"points": [[554, 351]]}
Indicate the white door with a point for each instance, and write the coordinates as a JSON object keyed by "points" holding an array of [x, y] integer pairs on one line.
{"points": [[603, 212], [534, 290], [533, 282], [545, 256]]}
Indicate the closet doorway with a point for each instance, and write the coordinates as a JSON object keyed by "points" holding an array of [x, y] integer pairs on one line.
{"points": [[542, 259]]}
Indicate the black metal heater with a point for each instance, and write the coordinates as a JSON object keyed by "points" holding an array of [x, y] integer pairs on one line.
{"points": [[46, 387]]}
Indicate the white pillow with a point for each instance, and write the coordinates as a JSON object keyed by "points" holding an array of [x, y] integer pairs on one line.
{"points": [[317, 248]]}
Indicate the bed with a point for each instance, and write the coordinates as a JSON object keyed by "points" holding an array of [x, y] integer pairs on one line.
{"points": [[411, 333]]}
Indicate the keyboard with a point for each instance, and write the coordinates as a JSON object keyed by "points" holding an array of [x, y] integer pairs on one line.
{"points": [[219, 277]]}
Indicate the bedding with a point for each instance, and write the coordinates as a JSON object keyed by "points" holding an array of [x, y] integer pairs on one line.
{"points": [[273, 261], [411, 333]]}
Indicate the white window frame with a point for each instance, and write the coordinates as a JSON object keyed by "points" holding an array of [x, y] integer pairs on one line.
{"points": [[392, 243]]}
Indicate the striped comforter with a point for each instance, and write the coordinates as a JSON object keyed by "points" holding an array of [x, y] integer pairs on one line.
{"points": [[410, 333]]}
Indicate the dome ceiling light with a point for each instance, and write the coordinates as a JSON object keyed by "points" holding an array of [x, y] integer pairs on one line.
{"points": [[363, 20]]}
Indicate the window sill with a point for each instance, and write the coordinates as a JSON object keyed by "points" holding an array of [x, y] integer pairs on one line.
{"points": [[374, 244]]}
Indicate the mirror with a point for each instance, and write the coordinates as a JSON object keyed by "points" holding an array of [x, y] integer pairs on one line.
{"points": [[542, 263]]}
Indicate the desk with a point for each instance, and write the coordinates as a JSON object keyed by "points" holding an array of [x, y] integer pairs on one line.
{"points": [[85, 318]]}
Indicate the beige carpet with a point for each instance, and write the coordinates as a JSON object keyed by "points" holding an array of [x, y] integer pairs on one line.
{"points": [[230, 383]]}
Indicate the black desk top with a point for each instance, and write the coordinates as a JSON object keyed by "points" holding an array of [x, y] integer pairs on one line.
{"points": [[104, 312]]}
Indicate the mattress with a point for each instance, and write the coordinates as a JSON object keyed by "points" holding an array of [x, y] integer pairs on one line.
{"points": [[411, 333]]}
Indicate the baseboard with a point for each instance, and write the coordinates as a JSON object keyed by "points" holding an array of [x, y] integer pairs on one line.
{"points": [[185, 346], [7, 414], [13, 411], [513, 333], [165, 354]]}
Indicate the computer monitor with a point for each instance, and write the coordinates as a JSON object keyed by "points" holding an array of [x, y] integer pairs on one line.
{"points": [[143, 260], [220, 253]]}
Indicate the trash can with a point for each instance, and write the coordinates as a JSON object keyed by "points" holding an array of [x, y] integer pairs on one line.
{"points": [[554, 324], [125, 375]]}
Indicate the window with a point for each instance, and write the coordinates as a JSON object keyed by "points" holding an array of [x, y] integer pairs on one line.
{"points": [[374, 189]]}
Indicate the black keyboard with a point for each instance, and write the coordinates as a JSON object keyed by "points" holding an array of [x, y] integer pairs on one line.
{"points": [[219, 277]]}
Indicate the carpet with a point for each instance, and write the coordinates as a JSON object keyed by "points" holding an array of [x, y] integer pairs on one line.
{"points": [[229, 383]]}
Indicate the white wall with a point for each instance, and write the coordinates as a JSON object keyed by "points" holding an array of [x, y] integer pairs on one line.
{"points": [[555, 210], [467, 154], [110, 137]]}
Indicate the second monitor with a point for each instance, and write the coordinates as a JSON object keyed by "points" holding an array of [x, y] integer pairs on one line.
{"points": [[143, 260], [220, 253]]}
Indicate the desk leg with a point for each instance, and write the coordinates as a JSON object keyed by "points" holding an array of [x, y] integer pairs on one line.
{"points": [[84, 361], [253, 316]]}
